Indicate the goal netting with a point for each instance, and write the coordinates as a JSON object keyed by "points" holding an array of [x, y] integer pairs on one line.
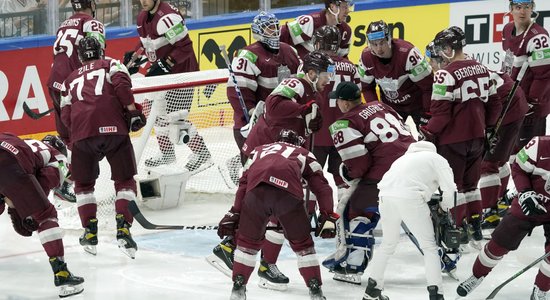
{"points": [[189, 131]]}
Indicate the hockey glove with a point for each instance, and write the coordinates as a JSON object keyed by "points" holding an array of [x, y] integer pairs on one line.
{"points": [[344, 173], [326, 225], [425, 135], [229, 223], [135, 118], [160, 67], [17, 223], [312, 115], [532, 203], [424, 118], [2, 204], [132, 63], [491, 139]]}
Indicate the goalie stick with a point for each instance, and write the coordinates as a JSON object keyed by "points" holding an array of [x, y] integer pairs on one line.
{"points": [[498, 288], [33, 115]]}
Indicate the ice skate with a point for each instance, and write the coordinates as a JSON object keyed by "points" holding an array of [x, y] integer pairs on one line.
{"points": [[239, 289], [315, 292], [347, 274], [271, 277], [448, 265], [537, 294], [468, 285], [65, 193], [161, 159], [433, 292], [68, 284], [372, 293], [199, 161], [222, 257], [125, 242], [89, 239]]}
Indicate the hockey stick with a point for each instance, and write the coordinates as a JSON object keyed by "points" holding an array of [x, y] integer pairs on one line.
{"points": [[411, 237], [33, 115], [498, 288], [234, 79], [137, 54]]}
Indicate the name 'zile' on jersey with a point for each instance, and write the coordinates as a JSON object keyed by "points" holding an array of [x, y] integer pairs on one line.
{"points": [[463, 102]]}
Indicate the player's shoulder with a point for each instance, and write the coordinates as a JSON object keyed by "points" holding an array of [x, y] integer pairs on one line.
{"points": [[536, 30]]}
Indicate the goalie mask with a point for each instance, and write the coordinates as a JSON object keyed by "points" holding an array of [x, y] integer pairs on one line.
{"points": [[89, 48], [326, 38], [290, 136], [378, 30], [265, 29], [56, 143]]}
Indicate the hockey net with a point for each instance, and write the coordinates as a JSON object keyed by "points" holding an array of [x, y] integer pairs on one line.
{"points": [[196, 101]]}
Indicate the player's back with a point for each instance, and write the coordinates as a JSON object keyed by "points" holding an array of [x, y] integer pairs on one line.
{"points": [[65, 48], [95, 108]]}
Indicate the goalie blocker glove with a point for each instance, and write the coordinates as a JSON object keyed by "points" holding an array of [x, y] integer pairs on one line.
{"points": [[136, 119], [532, 203], [228, 224], [326, 225], [160, 67]]}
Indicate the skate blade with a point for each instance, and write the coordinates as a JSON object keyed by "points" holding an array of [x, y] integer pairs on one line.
{"points": [[266, 284], [70, 290], [217, 263], [130, 252], [202, 167], [452, 274], [90, 249], [348, 278], [224, 172]]}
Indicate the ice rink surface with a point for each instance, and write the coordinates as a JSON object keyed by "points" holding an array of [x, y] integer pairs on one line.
{"points": [[171, 265]]}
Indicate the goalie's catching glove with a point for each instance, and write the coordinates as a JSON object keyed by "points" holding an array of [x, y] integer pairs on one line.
{"points": [[326, 225], [229, 223], [532, 203], [135, 118]]}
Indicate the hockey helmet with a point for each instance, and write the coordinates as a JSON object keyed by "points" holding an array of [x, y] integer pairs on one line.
{"points": [[265, 29], [448, 38], [512, 2], [81, 4], [56, 143], [290, 136], [338, 2], [319, 62], [378, 30], [89, 48], [430, 51], [326, 38]]}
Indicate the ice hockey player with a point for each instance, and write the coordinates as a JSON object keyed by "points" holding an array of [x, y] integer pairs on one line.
{"points": [[459, 121], [258, 68], [399, 69], [290, 106], [369, 138], [405, 190], [299, 33], [164, 38], [98, 107], [30, 169], [327, 39], [529, 210], [271, 186]]}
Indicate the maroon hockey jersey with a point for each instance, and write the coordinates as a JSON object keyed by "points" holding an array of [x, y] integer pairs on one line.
{"points": [[35, 158], [283, 165], [283, 110], [345, 70], [531, 171], [299, 32], [463, 103], [65, 48], [369, 138], [533, 48], [405, 81], [518, 105], [259, 71], [94, 99], [165, 34]]}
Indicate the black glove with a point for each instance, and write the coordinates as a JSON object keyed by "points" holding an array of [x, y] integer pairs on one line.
{"points": [[326, 225], [316, 123], [491, 139], [2, 204], [229, 223], [133, 67], [532, 203], [159, 67], [18, 223], [135, 118], [424, 118], [425, 135]]}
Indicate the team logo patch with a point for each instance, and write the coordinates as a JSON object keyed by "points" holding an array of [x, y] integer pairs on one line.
{"points": [[9, 147], [108, 129], [278, 182]]}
